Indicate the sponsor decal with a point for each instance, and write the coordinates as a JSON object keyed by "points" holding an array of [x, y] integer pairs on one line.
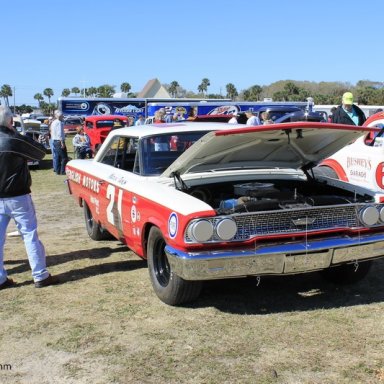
{"points": [[133, 214], [129, 109], [173, 224], [358, 174], [118, 179], [91, 184], [224, 110], [95, 201], [359, 162], [74, 176]]}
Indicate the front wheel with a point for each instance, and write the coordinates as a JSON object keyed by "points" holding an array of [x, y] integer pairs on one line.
{"points": [[347, 273], [94, 230], [170, 288], [323, 170]]}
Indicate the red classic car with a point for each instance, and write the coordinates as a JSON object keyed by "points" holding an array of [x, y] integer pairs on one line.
{"points": [[203, 201], [98, 127]]}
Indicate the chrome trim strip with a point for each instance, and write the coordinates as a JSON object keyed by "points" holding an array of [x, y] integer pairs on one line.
{"points": [[287, 258]]}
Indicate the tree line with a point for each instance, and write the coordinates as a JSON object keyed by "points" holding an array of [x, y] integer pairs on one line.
{"points": [[366, 92]]}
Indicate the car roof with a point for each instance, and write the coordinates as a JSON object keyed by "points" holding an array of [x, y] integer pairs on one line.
{"points": [[105, 117], [172, 128]]}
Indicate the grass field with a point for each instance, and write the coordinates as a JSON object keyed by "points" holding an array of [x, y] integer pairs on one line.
{"points": [[104, 324]]}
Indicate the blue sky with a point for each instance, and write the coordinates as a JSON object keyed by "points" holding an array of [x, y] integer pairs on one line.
{"points": [[87, 43]]}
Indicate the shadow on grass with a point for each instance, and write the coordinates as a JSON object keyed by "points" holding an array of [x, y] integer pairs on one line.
{"points": [[303, 292], [80, 273]]}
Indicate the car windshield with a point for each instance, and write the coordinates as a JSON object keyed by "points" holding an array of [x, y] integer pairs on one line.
{"points": [[149, 156], [110, 124], [160, 151]]}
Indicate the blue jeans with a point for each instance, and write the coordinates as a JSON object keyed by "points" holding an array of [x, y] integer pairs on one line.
{"points": [[22, 211], [60, 157], [53, 154]]}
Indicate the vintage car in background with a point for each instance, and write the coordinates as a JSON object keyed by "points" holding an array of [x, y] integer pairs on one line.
{"points": [[203, 201], [361, 162], [98, 127], [71, 123], [33, 133]]}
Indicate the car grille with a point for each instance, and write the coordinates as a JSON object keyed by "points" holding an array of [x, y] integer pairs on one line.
{"points": [[294, 221], [291, 221]]}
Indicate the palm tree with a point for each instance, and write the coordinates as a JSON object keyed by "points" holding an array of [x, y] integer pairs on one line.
{"points": [[125, 87], [172, 89], [105, 90], [231, 91], [48, 92], [92, 91], [66, 92], [5, 92], [39, 97], [253, 93], [75, 90], [203, 87]]}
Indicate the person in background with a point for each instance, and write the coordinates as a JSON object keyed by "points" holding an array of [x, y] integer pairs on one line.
{"points": [[159, 116], [117, 124], [59, 147], [332, 111], [16, 201], [192, 113], [233, 119], [252, 119], [50, 119], [82, 144], [348, 113], [140, 120], [265, 118]]}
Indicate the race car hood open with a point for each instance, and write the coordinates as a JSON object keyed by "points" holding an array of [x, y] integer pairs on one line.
{"points": [[289, 145]]}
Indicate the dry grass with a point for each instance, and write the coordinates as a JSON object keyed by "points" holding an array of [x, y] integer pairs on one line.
{"points": [[104, 324]]}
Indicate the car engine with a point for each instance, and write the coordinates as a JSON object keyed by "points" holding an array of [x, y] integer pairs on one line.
{"points": [[227, 198]]}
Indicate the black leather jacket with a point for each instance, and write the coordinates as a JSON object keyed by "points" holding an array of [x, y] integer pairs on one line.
{"points": [[15, 150], [340, 116]]}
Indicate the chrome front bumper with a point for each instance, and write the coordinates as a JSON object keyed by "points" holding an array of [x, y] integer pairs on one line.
{"points": [[287, 258]]}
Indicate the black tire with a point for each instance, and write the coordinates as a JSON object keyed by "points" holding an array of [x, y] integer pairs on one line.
{"points": [[170, 288], [94, 230], [325, 171], [347, 273]]}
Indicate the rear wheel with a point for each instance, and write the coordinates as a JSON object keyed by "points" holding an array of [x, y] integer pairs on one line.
{"points": [[94, 230], [325, 171], [170, 288], [347, 273]]}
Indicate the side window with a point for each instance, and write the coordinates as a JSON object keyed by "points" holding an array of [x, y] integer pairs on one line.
{"points": [[89, 125], [122, 153]]}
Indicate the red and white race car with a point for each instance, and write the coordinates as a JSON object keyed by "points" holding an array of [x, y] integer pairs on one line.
{"points": [[204, 201], [361, 162]]}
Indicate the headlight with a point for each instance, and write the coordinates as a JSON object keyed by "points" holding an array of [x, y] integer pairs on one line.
{"points": [[201, 230], [226, 229], [381, 214], [369, 216]]}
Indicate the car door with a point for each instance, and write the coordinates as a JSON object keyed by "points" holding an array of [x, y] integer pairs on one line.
{"points": [[116, 195]]}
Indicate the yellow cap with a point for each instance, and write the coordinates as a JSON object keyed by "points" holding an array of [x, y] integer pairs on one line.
{"points": [[348, 98]]}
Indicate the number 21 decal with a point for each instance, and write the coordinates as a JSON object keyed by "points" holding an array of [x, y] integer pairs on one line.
{"points": [[113, 215]]}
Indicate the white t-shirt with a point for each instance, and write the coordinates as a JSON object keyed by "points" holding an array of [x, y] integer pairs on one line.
{"points": [[253, 120]]}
